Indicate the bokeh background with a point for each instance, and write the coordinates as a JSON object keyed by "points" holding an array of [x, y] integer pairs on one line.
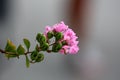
{"points": [[96, 22]]}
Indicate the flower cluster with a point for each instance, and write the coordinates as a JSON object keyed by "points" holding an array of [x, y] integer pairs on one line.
{"points": [[68, 39], [58, 38]]}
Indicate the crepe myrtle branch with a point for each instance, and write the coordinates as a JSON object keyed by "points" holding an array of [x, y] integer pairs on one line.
{"points": [[58, 38]]}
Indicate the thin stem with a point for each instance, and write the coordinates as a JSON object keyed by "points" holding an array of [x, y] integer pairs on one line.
{"points": [[51, 44], [2, 51]]}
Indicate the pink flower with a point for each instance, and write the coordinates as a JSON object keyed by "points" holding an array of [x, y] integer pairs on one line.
{"points": [[47, 29], [69, 36], [64, 49], [69, 32], [60, 27], [71, 40], [73, 49]]}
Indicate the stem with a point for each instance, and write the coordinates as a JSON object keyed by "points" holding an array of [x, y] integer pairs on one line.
{"points": [[52, 44], [2, 51]]}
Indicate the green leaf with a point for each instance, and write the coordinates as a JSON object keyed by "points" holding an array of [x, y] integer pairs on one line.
{"points": [[27, 62], [40, 57], [20, 50], [56, 47], [44, 46], [33, 55], [58, 36], [27, 43], [50, 35], [10, 47], [11, 55]]}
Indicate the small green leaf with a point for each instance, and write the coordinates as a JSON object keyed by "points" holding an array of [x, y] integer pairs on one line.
{"points": [[27, 62], [10, 47], [58, 36], [27, 43], [50, 35], [20, 50], [40, 57], [11, 55]]}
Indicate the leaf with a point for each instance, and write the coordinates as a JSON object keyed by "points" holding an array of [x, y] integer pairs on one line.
{"points": [[10, 47], [27, 43], [20, 50], [27, 62], [11, 55]]}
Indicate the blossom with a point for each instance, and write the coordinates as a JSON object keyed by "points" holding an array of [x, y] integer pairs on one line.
{"points": [[64, 50], [60, 27], [73, 49], [69, 38]]}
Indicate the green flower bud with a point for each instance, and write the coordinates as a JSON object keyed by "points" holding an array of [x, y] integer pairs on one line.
{"points": [[50, 35], [58, 36], [33, 55], [39, 58], [38, 37], [44, 46], [56, 47], [41, 38]]}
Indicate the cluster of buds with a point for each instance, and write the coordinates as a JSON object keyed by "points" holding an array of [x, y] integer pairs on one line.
{"points": [[56, 39]]}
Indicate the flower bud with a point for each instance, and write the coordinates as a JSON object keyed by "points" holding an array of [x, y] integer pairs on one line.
{"points": [[44, 46], [39, 58], [38, 37], [50, 35], [33, 55], [41, 38], [56, 47], [58, 36]]}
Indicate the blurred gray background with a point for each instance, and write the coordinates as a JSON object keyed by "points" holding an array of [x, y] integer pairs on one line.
{"points": [[98, 58]]}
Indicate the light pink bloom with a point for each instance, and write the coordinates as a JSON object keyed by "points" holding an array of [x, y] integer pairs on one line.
{"points": [[64, 49], [60, 27], [69, 32], [73, 42], [68, 35], [73, 49]]}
